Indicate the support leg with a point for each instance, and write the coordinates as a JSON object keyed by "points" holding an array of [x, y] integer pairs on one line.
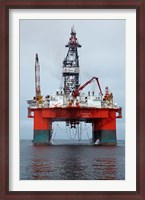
{"points": [[42, 129], [104, 130]]}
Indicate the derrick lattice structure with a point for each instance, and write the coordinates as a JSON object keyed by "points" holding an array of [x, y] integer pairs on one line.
{"points": [[71, 65]]}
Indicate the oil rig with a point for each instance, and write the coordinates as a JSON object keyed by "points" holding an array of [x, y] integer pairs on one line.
{"points": [[71, 105]]}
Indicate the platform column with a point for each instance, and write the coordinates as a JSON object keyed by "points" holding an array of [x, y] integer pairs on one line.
{"points": [[104, 130], [96, 131], [42, 129]]}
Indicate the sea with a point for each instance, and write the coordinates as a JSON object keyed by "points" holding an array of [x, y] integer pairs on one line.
{"points": [[72, 160]]}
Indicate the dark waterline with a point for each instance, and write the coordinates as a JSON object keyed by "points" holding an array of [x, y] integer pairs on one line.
{"points": [[72, 162]]}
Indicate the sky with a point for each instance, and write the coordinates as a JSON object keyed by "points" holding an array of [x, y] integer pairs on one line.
{"points": [[102, 55]]}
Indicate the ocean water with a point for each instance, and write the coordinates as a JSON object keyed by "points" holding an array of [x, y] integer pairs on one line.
{"points": [[72, 161]]}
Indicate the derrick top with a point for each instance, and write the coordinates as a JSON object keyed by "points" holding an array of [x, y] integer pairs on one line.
{"points": [[73, 42]]}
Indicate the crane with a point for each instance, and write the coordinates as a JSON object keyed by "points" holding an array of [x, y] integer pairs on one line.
{"points": [[37, 78], [38, 96], [77, 90]]}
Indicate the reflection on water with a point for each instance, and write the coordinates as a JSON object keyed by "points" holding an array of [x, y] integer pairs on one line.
{"points": [[106, 169], [83, 162]]}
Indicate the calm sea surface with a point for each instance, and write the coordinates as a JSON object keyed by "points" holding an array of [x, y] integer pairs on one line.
{"points": [[72, 162]]}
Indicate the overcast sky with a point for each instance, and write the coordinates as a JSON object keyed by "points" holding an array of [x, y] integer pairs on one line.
{"points": [[102, 55]]}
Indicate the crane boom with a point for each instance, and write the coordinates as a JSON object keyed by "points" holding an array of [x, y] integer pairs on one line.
{"points": [[76, 92], [99, 86], [37, 77]]}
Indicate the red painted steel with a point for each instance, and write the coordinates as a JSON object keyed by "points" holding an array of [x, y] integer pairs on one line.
{"points": [[102, 118], [41, 123], [104, 124], [77, 90]]}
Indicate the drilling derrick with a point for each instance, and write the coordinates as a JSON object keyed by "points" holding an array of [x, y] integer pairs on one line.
{"points": [[71, 65]]}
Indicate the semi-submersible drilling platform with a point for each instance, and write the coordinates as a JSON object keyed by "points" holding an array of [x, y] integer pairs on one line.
{"points": [[71, 105]]}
